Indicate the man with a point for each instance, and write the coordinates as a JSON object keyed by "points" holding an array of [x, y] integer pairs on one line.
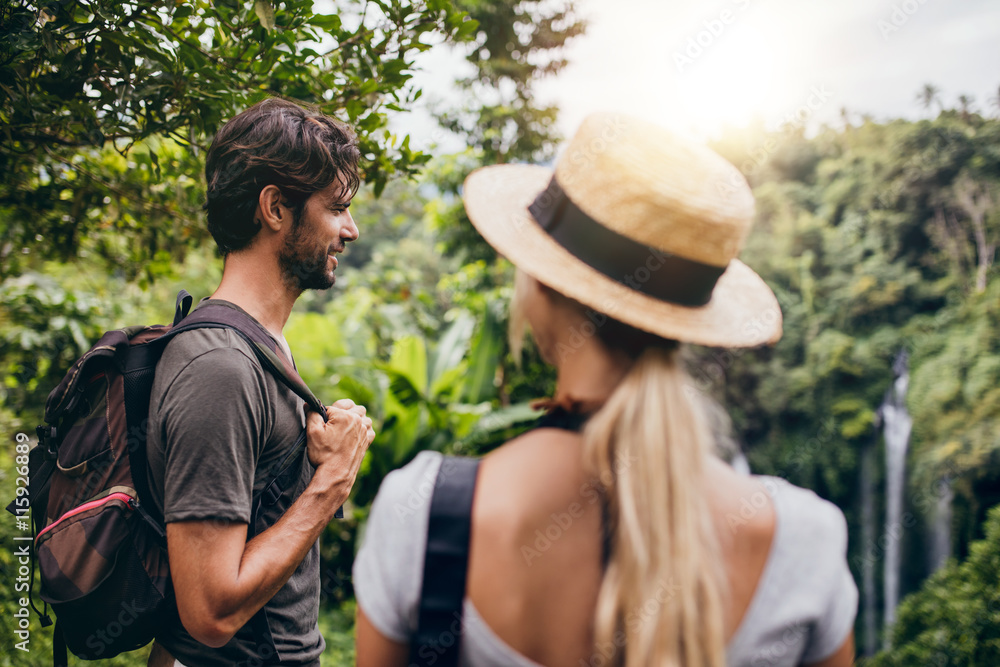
{"points": [[280, 181]]}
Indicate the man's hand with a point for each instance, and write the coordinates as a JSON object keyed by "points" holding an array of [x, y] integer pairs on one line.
{"points": [[220, 579], [339, 444]]}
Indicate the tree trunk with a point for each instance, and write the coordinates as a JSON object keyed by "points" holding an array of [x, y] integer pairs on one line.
{"points": [[975, 200]]}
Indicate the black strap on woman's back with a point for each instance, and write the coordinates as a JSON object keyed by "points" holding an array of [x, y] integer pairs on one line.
{"points": [[439, 623], [440, 620]]}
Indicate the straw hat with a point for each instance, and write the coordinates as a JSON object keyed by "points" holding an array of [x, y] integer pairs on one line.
{"points": [[637, 223]]}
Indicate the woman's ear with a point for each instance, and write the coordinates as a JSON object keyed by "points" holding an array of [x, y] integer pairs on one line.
{"points": [[271, 212]]}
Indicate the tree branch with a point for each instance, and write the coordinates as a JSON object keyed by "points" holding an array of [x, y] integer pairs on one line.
{"points": [[141, 202]]}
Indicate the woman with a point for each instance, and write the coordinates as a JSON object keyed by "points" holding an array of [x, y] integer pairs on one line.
{"points": [[627, 543]]}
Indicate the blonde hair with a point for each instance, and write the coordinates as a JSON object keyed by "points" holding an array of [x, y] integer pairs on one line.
{"points": [[517, 321], [661, 601]]}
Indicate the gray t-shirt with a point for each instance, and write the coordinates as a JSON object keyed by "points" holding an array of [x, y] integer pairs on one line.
{"points": [[219, 426], [802, 610]]}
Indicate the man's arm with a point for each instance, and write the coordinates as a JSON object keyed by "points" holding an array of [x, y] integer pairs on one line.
{"points": [[220, 579]]}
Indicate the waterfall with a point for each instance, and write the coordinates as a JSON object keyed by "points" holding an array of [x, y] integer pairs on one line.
{"points": [[941, 526], [869, 596], [896, 424]]}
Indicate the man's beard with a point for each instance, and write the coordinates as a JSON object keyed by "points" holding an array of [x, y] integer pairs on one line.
{"points": [[303, 265]]}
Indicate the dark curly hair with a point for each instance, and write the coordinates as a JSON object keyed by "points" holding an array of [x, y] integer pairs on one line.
{"points": [[274, 142]]}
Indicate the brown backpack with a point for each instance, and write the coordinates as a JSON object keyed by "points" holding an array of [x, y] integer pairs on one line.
{"points": [[100, 544]]}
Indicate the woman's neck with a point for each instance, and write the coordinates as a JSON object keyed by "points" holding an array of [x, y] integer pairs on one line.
{"points": [[588, 373]]}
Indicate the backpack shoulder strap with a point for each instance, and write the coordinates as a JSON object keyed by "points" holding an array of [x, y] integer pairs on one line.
{"points": [[445, 565], [221, 315]]}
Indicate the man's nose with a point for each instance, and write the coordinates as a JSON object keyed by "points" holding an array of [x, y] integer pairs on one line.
{"points": [[349, 232]]}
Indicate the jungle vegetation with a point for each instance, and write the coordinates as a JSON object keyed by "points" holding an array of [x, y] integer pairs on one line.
{"points": [[877, 236]]}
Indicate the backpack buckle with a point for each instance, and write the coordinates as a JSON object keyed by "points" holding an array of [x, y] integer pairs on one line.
{"points": [[47, 438]]}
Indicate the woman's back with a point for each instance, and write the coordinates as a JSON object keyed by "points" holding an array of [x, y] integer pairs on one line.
{"points": [[535, 561]]}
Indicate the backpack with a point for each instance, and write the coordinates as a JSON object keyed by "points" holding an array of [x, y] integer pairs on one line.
{"points": [[100, 543], [440, 625]]}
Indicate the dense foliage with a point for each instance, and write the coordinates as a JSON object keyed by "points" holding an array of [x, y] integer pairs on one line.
{"points": [[850, 236], [876, 237], [955, 619], [107, 106]]}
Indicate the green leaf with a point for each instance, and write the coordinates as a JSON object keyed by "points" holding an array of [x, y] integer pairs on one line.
{"points": [[355, 108], [403, 390], [316, 341], [484, 360], [451, 349], [328, 22], [505, 418], [156, 163], [409, 358], [354, 389], [265, 12], [467, 30]]}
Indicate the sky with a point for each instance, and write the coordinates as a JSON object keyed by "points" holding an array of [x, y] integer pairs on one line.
{"points": [[697, 66]]}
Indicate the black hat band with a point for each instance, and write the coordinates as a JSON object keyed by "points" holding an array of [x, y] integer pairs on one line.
{"points": [[648, 270]]}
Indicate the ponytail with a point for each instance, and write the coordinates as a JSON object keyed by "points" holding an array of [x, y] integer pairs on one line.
{"points": [[661, 599]]}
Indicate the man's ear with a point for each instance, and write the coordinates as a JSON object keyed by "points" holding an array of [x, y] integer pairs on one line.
{"points": [[271, 212]]}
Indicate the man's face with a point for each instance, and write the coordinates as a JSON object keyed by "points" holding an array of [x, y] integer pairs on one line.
{"points": [[307, 258]]}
